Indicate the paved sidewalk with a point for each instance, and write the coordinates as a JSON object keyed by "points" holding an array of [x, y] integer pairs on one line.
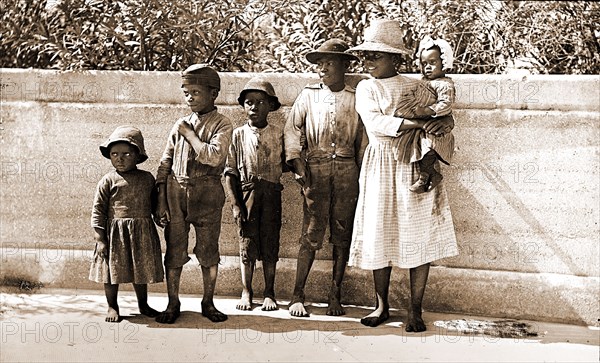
{"points": [[68, 326]]}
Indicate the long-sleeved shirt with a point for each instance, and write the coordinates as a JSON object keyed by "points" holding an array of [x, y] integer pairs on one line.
{"points": [[329, 122], [444, 89], [180, 158]]}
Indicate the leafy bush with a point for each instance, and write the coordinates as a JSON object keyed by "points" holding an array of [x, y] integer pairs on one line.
{"points": [[261, 35]]}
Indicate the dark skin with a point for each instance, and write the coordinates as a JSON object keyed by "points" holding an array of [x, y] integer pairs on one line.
{"points": [[257, 106], [200, 99], [124, 158], [383, 65], [331, 70]]}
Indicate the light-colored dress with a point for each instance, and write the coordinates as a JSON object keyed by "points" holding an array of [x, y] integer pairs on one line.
{"points": [[123, 208], [394, 226]]}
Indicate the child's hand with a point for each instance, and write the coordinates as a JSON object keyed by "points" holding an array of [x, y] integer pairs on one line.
{"points": [[423, 112], [101, 250], [162, 217], [301, 172], [185, 129], [240, 214]]}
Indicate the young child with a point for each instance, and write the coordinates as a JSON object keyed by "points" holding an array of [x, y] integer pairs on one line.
{"points": [[190, 190], [323, 146], [127, 243], [435, 58], [432, 99], [252, 173]]}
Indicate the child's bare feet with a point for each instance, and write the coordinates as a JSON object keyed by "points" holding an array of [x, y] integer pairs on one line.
{"points": [[414, 322], [269, 304], [210, 311], [245, 302], [335, 307], [376, 317], [145, 309], [170, 315], [298, 309], [112, 315]]}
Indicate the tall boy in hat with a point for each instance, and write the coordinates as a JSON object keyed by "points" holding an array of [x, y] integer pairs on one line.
{"points": [[190, 189], [323, 146]]}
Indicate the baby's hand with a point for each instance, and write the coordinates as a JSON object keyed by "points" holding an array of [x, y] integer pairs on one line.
{"points": [[423, 112]]}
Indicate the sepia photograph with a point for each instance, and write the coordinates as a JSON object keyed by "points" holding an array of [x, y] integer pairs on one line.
{"points": [[299, 181]]}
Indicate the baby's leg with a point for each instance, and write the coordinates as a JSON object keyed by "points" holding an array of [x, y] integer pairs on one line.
{"points": [[247, 268], [269, 304], [429, 177], [141, 291], [111, 292]]}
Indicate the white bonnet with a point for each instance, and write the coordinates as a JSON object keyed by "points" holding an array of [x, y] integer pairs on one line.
{"points": [[445, 48]]}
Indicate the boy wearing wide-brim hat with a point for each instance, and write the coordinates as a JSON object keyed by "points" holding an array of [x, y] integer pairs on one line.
{"points": [[253, 171], [190, 188], [394, 226], [323, 146]]}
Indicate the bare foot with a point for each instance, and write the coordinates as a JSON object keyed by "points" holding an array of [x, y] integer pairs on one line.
{"points": [[414, 322], [169, 316], [210, 311], [375, 318], [245, 302], [269, 304], [335, 307], [112, 316], [298, 309], [148, 311]]}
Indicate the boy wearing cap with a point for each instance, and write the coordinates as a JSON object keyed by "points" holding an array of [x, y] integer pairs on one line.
{"points": [[252, 173], [190, 189], [323, 146]]}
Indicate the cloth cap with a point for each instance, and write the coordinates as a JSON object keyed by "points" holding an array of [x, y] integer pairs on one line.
{"points": [[447, 54], [332, 46], [383, 36], [258, 84], [129, 134], [201, 74]]}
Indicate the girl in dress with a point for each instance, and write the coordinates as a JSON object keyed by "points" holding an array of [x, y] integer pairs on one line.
{"points": [[127, 243], [394, 226]]}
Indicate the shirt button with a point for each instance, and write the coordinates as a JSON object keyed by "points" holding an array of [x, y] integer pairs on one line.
{"points": [[333, 156], [333, 144]]}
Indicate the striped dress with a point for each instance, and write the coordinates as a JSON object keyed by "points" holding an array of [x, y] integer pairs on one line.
{"points": [[394, 226]]}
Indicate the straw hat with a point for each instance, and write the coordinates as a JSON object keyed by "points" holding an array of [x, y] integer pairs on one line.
{"points": [[383, 35], [332, 46], [258, 84], [129, 134]]}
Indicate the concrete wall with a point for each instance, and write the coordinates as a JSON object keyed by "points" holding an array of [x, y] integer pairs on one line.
{"points": [[524, 188]]}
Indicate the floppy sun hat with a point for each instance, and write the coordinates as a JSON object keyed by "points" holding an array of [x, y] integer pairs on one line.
{"points": [[129, 134], [330, 47], [258, 84], [383, 35]]}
